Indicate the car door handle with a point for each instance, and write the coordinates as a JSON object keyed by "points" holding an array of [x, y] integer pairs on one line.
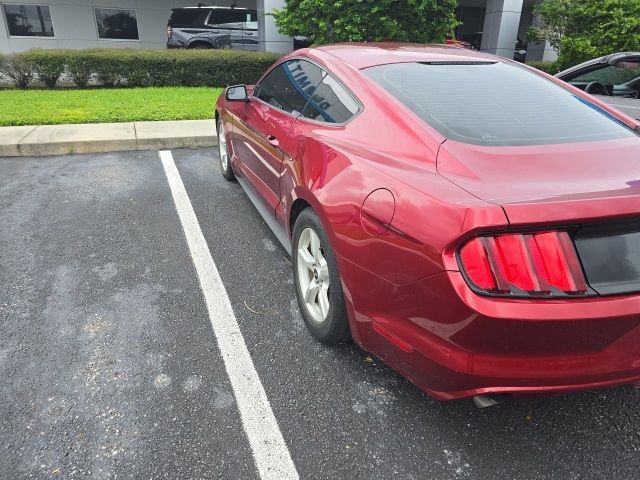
{"points": [[248, 33], [273, 140]]}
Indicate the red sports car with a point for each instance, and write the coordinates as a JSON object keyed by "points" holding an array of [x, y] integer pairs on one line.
{"points": [[471, 221]]}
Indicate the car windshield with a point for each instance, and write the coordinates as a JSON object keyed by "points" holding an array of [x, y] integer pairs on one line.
{"points": [[495, 104]]}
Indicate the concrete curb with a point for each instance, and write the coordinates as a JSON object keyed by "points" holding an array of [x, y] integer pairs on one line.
{"points": [[33, 141]]}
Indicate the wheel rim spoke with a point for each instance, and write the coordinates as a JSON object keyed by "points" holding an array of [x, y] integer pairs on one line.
{"points": [[222, 146], [311, 295], [315, 246], [313, 275], [307, 258], [323, 299]]}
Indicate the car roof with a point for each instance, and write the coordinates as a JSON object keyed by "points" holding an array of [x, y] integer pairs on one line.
{"points": [[364, 55]]}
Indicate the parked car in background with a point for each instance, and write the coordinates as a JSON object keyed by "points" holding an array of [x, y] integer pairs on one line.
{"points": [[478, 240], [614, 78], [213, 27]]}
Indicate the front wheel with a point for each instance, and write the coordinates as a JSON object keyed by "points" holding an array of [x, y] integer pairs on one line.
{"points": [[318, 285], [223, 152]]}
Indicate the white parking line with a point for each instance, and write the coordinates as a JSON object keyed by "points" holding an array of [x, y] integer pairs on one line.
{"points": [[270, 452]]}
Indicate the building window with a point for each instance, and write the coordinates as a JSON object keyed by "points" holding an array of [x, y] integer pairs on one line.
{"points": [[28, 20], [116, 24]]}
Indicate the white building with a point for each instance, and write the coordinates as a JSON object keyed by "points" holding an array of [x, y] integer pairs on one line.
{"points": [[494, 25]]}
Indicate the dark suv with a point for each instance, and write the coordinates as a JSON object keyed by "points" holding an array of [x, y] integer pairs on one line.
{"points": [[213, 27]]}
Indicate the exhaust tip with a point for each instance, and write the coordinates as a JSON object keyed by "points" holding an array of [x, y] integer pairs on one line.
{"points": [[485, 401]]}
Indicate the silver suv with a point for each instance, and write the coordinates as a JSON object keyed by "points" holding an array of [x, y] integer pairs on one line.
{"points": [[213, 27]]}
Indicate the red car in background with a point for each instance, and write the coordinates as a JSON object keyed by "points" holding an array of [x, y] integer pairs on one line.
{"points": [[480, 241]]}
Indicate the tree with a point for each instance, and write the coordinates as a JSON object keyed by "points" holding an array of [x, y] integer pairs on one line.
{"points": [[583, 29], [327, 21]]}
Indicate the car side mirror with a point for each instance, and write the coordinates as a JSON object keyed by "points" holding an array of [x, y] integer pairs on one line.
{"points": [[237, 93]]}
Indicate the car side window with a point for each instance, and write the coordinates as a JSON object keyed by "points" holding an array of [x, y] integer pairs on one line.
{"points": [[331, 102], [289, 85], [618, 74], [223, 17]]}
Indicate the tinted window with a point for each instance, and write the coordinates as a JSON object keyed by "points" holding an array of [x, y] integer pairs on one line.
{"points": [[495, 104], [620, 73], [28, 20], [289, 85], [117, 24], [227, 16], [188, 18], [331, 102]]}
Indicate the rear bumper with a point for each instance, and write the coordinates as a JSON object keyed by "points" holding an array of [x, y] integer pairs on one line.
{"points": [[463, 345]]}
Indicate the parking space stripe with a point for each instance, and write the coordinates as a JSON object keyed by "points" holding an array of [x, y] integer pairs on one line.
{"points": [[270, 451]]}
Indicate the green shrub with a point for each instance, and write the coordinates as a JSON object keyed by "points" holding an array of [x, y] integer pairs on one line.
{"points": [[160, 68], [341, 21], [18, 69], [106, 66], [549, 67], [580, 30], [156, 68], [49, 65], [80, 67]]}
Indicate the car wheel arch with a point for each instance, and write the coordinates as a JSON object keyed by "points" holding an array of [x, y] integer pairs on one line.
{"points": [[296, 209], [199, 42]]}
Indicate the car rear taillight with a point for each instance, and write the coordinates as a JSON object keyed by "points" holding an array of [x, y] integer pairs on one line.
{"points": [[524, 264], [169, 32]]}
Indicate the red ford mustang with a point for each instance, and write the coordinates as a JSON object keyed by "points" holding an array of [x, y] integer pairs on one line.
{"points": [[471, 221]]}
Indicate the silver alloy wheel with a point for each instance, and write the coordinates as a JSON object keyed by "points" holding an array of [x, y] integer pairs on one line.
{"points": [[222, 147], [313, 275]]}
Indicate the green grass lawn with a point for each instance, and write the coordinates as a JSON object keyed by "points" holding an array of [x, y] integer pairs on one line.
{"points": [[53, 107]]}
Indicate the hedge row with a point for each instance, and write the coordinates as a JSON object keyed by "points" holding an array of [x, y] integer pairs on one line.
{"points": [[549, 67], [136, 67]]}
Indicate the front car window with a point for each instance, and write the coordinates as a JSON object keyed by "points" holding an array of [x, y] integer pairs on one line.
{"points": [[495, 104], [28, 20], [289, 85], [116, 24]]}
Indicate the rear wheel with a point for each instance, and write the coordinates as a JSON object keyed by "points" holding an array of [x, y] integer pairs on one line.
{"points": [[318, 285], [223, 152]]}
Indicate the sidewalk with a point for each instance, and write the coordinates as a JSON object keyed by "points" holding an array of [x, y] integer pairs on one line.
{"points": [[42, 140]]}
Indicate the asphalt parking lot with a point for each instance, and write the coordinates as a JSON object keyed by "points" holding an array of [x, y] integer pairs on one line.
{"points": [[109, 366]]}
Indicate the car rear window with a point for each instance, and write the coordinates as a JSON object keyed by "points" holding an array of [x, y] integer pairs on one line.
{"points": [[495, 104], [188, 18]]}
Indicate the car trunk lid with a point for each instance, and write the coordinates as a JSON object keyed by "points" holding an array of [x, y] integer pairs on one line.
{"points": [[549, 183], [593, 188]]}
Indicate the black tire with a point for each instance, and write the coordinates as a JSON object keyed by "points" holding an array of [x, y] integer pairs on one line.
{"points": [[227, 171], [335, 326]]}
